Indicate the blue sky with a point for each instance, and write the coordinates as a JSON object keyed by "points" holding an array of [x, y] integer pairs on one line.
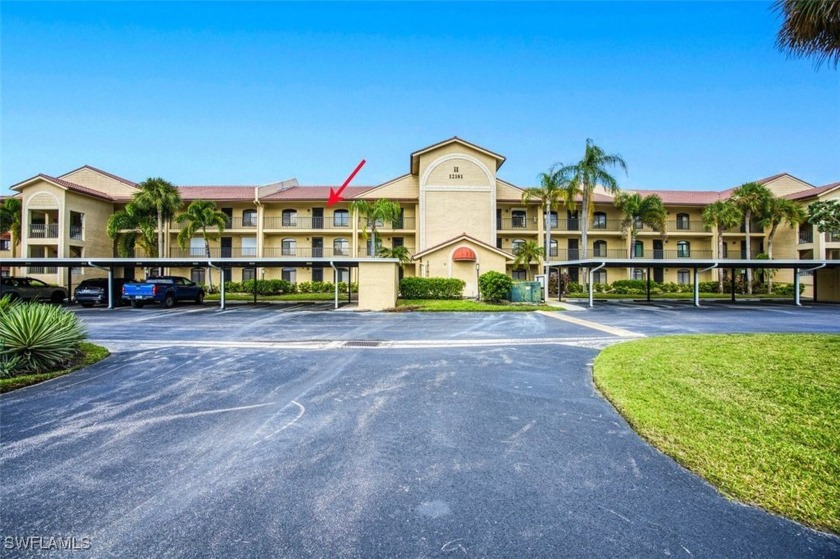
{"points": [[692, 95]]}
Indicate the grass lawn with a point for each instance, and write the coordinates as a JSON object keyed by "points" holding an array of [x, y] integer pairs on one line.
{"points": [[756, 415], [285, 297], [654, 296], [90, 354], [444, 305]]}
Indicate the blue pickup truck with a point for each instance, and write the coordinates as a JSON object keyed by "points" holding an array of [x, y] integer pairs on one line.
{"points": [[166, 290]]}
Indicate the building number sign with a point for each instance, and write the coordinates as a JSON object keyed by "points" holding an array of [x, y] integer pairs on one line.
{"points": [[455, 174]]}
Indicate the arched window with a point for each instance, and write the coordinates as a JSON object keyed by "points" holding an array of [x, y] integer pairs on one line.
{"points": [[516, 245], [639, 249], [683, 249], [341, 247], [683, 222], [599, 220], [552, 249], [249, 218], [289, 218], [288, 247], [600, 248], [683, 277], [341, 218]]}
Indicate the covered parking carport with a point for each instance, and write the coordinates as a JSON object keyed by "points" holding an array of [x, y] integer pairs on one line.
{"points": [[828, 292], [377, 277]]}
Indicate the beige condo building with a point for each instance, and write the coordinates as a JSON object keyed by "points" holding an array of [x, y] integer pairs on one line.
{"points": [[458, 219]]}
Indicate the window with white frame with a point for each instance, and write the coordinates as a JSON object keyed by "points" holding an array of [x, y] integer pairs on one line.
{"points": [[683, 277], [249, 218], [600, 248], [519, 275], [197, 275], [599, 276], [289, 218], [552, 220], [288, 247], [518, 218], [552, 248], [290, 275], [248, 274], [341, 247], [341, 218], [638, 274], [197, 247], [683, 221], [249, 246]]}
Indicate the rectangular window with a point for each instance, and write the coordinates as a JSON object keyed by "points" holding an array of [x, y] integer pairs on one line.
{"points": [[638, 274], [197, 275], [519, 275], [5, 244], [518, 218], [599, 277], [248, 274], [249, 246], [197, 247], [290, 274], [317, 274], [397, 242], [683, 277]]}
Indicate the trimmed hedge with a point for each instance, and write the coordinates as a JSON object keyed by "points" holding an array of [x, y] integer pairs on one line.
{"points": [[494, 286], [431, 288], [281, 287]]}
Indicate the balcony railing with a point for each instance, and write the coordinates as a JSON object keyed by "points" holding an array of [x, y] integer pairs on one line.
{"points": [[833, 238], [241, 222], [576, 254], [76, 232], [43, 270], [806, 236], [305, 222], [43, 231], [404, 223], [693, 226], [215, 252], [365, 252], [516, 223]]}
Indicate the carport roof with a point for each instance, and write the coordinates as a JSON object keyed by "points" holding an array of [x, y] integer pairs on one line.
{"points": [[292, 262], [693, 263]]}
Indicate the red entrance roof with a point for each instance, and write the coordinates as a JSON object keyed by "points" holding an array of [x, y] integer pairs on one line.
{"points": [[464, 254]]}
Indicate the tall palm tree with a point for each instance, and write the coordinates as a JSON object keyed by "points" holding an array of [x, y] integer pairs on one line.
{"points": [[380, 211], [780, 211], [162, 197], [130, 227], [528, 252], [11, 219], [585, 175], [722, 215], [201, 215], [550, 194], [810, 28], [648, 211], [752, 198]]}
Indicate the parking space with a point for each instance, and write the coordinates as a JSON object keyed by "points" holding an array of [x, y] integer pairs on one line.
{"points": [[465, 434]]}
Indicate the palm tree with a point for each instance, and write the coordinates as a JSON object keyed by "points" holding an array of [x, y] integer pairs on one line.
{"points": [[551, 192], [375, 213], [162, 197], [200, 215], [722, 215], [528, 252], [401, 253], [130, 227], [810, 28], [585, 175], [648, 211], [11, 219], [752, 198], [780, 211]]}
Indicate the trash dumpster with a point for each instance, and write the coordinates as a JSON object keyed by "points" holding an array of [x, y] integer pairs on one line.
{"points": [[526, 292]]}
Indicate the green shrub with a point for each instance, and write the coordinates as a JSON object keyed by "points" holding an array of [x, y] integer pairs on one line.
{"points": [[36, 337], [786, 289], [431, 288], [574, 287], [494, 286], [709, 287], [630, 285]]}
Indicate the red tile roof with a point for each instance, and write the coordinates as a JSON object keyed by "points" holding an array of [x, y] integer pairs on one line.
{"points": [[812, 192], [217, 192], [684, 197], [316, 193]]}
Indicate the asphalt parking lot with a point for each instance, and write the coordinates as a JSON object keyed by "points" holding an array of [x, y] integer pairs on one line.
{"points": [[273, 431]]}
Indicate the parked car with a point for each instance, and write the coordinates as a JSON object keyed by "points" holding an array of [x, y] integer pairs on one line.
{"points": [[167, 290], [95, 290], [32, 288]]}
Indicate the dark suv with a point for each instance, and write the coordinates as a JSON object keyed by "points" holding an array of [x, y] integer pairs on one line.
{"points": [[95, 290], [31, 288]]}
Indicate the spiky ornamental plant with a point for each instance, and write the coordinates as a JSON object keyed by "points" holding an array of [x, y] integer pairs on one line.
{"points": [[37, 337]]}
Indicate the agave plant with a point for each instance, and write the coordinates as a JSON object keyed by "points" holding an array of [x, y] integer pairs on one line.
{"points": [[37, 337]]}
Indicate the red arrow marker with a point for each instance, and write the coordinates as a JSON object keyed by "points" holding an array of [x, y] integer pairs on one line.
{"points": [[335, 195]]}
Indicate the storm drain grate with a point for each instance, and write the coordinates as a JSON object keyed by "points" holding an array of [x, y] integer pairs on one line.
{"points": [[362, 343]]}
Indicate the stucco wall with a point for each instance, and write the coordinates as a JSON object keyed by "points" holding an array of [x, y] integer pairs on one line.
{"points": [[377, 286]]}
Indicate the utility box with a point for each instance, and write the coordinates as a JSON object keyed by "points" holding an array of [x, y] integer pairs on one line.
{"points": [[526, 292]]}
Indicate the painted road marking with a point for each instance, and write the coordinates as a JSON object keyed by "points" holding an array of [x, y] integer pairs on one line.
{"points": [[621, 332]]}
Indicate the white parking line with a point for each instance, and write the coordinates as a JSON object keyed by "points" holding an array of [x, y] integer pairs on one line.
{"points": [[593, 325]]}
